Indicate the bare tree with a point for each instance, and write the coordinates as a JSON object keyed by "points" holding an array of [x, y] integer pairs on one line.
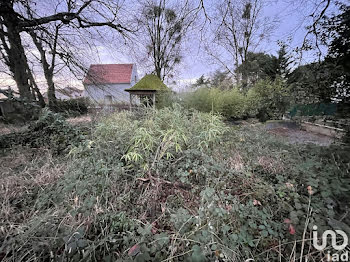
{"points": [[163, 27], [312, 39], [48, 66], [239, 30], [78, 14], [308, 17]]}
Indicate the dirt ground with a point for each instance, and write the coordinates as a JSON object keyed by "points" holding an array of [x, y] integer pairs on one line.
{"points": [[297, 136]]}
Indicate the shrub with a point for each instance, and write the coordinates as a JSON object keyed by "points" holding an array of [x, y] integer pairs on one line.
{"points": [[72, 107], [50, 130], [165, 99], [267, 100], [229, 103], [199, 100], [169, 132], [18, 111], [233, 104]]}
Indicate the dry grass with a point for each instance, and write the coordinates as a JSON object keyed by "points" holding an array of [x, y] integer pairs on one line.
{"points": [[8, 128], [80, 120], [236, 162], [24, 173], [271, 165]]}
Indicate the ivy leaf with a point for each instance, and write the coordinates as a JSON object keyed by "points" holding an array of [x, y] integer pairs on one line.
{"points": [[142, 257], [264, 233], [197, 255]]}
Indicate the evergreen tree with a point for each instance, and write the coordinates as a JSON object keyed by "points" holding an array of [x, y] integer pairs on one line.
{"points": [[258, 66], [337, 61], [283, 62]]}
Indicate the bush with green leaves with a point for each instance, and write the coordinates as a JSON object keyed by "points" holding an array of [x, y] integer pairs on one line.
{"points": [[72, 107], [165, 99], [265, 100], [167, 133], [51, 130], [229, 103]]}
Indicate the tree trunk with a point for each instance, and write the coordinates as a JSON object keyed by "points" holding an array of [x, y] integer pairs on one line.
{"points": [[35, 90], [16, 55], [51, 92], [48, 70]]}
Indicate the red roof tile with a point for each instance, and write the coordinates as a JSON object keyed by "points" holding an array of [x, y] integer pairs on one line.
{"points": [[109, 74]]}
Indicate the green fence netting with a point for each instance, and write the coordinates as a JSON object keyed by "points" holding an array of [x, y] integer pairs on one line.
{"points": [[318, 109]]}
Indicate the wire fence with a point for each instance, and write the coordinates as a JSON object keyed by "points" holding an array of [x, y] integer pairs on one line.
{"points": [[317, 109]]}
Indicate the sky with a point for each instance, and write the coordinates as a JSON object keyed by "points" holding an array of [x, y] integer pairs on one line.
{"points": [[290, 17]]}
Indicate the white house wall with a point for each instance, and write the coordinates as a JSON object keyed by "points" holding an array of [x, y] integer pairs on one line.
{"points": [[134, 76], [99, 93]]}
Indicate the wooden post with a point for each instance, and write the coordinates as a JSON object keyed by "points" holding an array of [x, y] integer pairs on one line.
{"points": [[131, 101], [154, 100]]}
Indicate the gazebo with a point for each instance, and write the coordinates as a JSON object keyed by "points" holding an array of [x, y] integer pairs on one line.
{"points": [[146, 90]]}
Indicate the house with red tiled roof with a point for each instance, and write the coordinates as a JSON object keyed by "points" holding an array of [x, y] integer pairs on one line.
{"points": [[106, 83]]}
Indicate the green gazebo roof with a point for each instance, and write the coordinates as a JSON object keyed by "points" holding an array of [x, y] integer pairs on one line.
{"points": [[149, 83]]}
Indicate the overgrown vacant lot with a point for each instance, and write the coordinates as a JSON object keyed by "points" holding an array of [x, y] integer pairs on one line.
{"points": [[167, 185]]}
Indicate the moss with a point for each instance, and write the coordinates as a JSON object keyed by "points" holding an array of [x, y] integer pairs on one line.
{"points": [[149, 82]]}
